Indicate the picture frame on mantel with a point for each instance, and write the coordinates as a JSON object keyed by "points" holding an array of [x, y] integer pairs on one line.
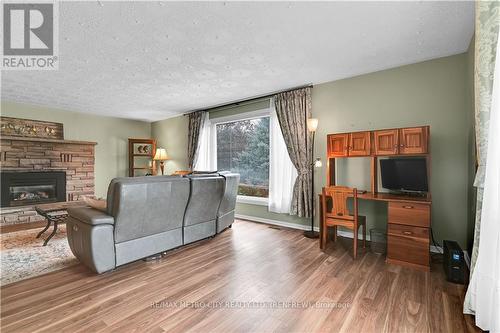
{"points": [[29, 128]]}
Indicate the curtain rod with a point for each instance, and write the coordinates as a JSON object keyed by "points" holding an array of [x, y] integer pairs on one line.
{"points": [[237, 102]]}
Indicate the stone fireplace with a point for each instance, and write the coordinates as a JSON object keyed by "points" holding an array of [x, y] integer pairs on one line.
{"points": [[37, 171], [31, 188]]}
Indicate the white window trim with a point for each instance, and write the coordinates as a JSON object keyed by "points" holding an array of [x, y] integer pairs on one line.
{"points": [[241, 116], [244, 199]]}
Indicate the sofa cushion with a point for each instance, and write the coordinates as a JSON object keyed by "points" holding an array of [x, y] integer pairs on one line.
{"points": [[144, 207], [128, 180]]}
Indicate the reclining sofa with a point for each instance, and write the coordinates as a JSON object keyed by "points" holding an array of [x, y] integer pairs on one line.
{"points": [[150, 215]]}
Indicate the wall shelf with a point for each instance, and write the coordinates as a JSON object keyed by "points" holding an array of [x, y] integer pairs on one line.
{"points": [[146, 164]]}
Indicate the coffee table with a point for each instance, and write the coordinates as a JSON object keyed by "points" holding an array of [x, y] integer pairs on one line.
{"points": [[54, 214]]}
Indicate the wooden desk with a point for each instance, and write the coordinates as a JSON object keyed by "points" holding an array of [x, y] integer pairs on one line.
{"points": [[388, 197], [408, 228]]}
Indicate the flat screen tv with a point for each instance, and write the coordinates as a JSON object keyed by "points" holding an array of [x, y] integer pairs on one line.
{"points": [[404, 174]]}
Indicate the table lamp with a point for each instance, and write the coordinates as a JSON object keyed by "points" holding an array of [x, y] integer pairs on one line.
{"points": [[161, 155]]}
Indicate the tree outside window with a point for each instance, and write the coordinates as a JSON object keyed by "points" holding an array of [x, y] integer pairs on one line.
{"points": [[243, 147]]}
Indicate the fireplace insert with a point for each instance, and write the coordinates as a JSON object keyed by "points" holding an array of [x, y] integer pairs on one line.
{"points": [[28, 188]]}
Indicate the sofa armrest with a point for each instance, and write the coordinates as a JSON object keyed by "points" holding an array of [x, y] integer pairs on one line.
{"points": [[90, 216]]}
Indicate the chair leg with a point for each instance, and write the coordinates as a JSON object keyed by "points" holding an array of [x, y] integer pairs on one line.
{"points": [[364, 235], [324, 237], [335, 233], [355, 240]]}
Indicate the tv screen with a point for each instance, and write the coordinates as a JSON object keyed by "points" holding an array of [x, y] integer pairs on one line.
{"points": [[404, 174]]}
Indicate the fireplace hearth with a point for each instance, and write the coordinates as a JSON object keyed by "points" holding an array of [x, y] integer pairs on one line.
{"points": [[30, 188]]}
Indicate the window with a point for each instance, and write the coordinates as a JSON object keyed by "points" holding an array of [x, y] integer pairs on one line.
{"points": [[252, 145], [243, 147]]}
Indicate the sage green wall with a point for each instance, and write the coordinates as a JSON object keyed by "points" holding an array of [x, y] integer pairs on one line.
{"points": [[262, 212], [111, 135], [431, 93], [172, 134], [435, 93]]}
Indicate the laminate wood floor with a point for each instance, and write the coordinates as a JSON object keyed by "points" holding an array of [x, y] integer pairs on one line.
{"points": [[250, 278]]}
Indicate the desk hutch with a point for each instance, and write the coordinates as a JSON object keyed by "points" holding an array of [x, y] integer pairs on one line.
{"points": [[409, 217]]}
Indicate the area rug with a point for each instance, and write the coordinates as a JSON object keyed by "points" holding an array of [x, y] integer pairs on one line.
{"points": [[24, 256]]}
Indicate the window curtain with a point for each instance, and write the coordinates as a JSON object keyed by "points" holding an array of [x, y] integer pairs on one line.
{"points": [[293, 108], [204, 160], [483, 294], [282, 173], [485, 46], [194, 129]]}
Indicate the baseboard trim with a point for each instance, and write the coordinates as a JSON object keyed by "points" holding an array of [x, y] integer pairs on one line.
{"points": [[274, 222], [343, 233]]}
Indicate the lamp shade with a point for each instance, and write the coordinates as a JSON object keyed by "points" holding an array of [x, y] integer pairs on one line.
{"points": [[312, 124], [160, 155]]}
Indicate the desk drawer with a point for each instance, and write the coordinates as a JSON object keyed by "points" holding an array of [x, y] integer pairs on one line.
{"points": [[407, 231], [408, 244], [409, 213]]}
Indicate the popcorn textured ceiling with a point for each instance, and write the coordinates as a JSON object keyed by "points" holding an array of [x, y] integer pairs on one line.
{"points": [[154, 60]]}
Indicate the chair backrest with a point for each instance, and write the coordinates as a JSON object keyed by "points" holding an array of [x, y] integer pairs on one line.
{"points": [[339, 196]]}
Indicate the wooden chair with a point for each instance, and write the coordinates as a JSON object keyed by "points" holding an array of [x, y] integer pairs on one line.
{"points": [[339, 214]]}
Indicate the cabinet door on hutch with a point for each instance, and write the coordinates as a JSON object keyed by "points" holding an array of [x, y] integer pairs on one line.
{"points": [[386, 142], [359, 144], [413, 140], [337, 145]]}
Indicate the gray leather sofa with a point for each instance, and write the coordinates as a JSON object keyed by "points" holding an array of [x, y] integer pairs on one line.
{"points": [[201, 213], [149, 215], [225, 214]]}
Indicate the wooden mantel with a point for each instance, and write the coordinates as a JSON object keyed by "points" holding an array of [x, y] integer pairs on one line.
{"points": [[75, 142]]}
